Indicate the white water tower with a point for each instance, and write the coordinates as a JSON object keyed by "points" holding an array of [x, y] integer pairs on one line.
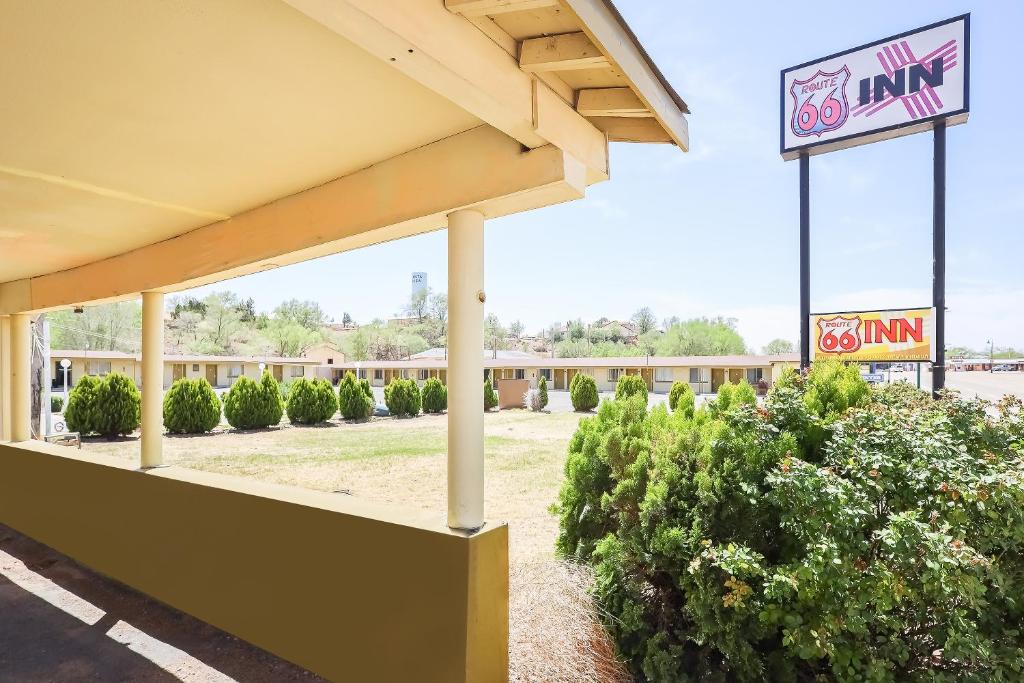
{"points": [[419, 283]]}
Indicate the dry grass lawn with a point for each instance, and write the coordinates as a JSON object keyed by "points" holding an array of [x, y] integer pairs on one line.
{"points": [[554, 634]]}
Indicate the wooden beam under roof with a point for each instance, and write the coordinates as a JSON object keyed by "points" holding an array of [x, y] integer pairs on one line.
{"points": [[481, 8], [611, 102], [626, 129], [565, 52]]}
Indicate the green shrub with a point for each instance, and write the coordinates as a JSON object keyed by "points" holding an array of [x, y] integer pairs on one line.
{"points": [[732, 396], [721, 554], [490, 396], [80, 415], [681, 398], [435, 396], [252, 405], [402, 397], [191, 406], [630, 385], [56, 403], [364, 384], [273, 404], [352, 399], [118, 406], [311, 401], [542, 388], [583, 392]]}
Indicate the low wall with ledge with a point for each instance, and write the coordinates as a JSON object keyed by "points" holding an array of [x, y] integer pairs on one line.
{"points": [[350, 590]]}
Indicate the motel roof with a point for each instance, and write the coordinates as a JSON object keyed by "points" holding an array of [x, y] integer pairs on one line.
{"points": [[179, 358], [735, 361]]}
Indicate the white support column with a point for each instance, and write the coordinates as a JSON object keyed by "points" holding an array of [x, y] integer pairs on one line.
{"points": [[152, 378], [20, 377], [465, 370], [5, 378]]}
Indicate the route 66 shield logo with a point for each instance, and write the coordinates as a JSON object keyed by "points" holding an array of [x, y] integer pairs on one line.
{"points": [[839, 334], [819, 103]]}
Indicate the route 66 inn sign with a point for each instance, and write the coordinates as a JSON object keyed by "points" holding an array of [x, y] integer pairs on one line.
{"points": [[886, 89]]}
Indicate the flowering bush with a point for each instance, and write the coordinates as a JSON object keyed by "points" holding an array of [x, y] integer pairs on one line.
{"points": [[836, 534]]}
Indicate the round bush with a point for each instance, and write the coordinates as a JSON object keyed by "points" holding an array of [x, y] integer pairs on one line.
{"points": [[738, 546], [681, 398], [402, 397], [311, 401], [80, 414], [118, 406], [583, 392], [191, 406], [435, 396], [352, 399], [490, 396], [630, 385], [56, 403], [251, 405], [542, 387]]}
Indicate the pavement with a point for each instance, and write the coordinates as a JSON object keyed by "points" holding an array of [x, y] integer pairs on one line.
{"points": [[991, 386], [60, 621]]}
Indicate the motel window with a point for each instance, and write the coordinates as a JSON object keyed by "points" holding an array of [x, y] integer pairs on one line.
{"points": [[234, 371], [754, 375], [662, 374], [694, 375], [195, 367], [298, 371], [424, 375], [378, 374], [546, 374], [330, 361], [361, 373], [97, 367], [520, 373], [613, 374]]}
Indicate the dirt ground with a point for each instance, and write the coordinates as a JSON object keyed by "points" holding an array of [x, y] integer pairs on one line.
{"points": [[399, 461]]}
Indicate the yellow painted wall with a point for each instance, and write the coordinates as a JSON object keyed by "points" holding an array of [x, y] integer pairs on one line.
{"points": [[350, 590]]}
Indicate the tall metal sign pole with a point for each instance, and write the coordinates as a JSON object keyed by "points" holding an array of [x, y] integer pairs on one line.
{"points": [[909, 83], [805, 261], [939, 256]]}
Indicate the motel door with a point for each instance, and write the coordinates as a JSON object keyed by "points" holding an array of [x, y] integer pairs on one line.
{"points": [[278, 372], [717, 379], [559, 379], [569, 374], [177, 371], [211, 374], [648, 375]]}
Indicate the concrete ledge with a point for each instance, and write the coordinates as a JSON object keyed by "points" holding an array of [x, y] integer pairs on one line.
{"points": [[348, 589]]}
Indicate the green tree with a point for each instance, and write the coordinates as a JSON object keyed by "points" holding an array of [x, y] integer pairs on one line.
{"points": [[631, 385], [402, 397], [644, 320], [490, 396], [305, 313], [290, 339], [118, 406], [542, 387], [702, 337], [777, 346], [80, 414]]}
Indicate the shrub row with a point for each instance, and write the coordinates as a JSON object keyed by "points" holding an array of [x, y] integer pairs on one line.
{"points": [[837, 533]]}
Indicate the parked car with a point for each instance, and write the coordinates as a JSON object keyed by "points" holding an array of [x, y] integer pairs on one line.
{"points": [[1003, 368]]}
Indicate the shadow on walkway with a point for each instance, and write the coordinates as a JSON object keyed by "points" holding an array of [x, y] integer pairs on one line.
{"points": [[60, 621]]}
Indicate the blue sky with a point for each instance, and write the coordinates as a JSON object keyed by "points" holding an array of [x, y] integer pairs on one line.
{"points": [[715, 231]]}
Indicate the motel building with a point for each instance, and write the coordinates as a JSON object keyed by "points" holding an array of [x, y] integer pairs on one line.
{"points": [[704, 374], [219, 371], [150, 148]]}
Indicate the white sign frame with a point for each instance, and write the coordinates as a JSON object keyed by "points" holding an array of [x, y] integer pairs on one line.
{"points": [[865, 61]]}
